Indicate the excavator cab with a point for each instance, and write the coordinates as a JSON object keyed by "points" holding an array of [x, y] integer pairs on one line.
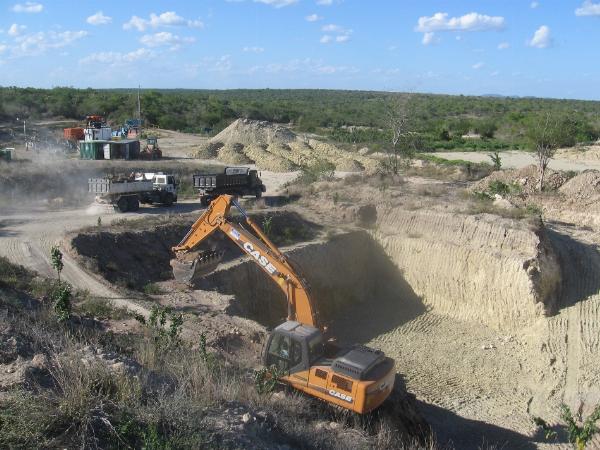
{"points": [[357, 378]]}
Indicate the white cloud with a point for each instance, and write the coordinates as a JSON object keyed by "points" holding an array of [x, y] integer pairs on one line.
{"points": [[342, 34], [541, 38], [478, 65], [534, 5], [429, 39], [165, 38], [117, 58], [99, 19], [166, 19], [495, 73], [313, 18], [28, 7], [277, 3], [37, 43], [254, 49], [305, 66], [16, 30], [331, 28], [503, 45], [3, 48], [469, 22], [325, 2], [588, 8]]}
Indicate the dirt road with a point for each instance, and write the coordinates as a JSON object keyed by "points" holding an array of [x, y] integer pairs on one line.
{"points": [[27, 235], [517, 159]]}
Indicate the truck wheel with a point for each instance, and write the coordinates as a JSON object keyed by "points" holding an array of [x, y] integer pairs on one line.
{"points": [[133, 204], [123, 205], [258, 193], [168, 200], [204, 200]]}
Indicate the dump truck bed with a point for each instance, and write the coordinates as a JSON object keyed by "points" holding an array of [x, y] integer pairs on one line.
{"points": [[220, 180], [106, 186]]}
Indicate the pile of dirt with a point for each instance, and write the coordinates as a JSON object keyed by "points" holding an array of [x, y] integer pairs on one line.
{"points": [[247, 132], [584, 187], [274, 147], [584, 153], [524, 179]]}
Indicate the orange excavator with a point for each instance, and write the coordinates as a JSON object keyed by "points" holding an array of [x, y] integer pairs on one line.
{"points": [[357, 378]]}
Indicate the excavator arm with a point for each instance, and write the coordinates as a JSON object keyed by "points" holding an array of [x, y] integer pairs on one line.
{"points": [[261, 249]]}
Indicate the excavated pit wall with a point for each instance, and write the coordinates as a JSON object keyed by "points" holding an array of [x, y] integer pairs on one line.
{"points": [[500, 272], [348, 272]]}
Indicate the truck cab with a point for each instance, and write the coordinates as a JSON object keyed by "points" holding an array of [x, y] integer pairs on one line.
{"points": [[164, 188]]}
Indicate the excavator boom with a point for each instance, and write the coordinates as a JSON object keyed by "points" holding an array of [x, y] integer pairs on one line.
{"points": [[188, 265]]}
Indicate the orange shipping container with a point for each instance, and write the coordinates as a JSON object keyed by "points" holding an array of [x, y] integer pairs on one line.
{"points": [[74, 134]]}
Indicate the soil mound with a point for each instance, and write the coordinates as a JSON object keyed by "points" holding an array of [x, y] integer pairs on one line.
{"points": [[276, 148], [525, 178], [583, 187]]}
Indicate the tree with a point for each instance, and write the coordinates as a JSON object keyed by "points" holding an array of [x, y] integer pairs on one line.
{"points": [[56, 260], [404, 141], [545, 135]]}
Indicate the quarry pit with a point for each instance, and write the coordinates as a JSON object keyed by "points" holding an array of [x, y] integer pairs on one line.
{"points": [[459, 301]]}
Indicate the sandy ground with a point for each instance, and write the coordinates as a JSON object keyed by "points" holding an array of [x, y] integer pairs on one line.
{"points": [[175, 144], [516, 159]]}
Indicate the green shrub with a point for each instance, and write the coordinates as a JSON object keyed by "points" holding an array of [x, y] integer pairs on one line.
{"points": [[498, 187], [61, 301], [266, 379], [151, 289], [320, 170]]}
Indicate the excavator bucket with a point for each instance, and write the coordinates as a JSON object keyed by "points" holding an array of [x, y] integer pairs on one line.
{"points": [[191, 267]]}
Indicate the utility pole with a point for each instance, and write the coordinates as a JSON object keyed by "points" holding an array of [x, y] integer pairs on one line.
{"points": [[139, 105]]}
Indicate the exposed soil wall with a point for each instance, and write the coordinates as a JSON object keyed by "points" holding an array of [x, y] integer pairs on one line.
{"points": [[135, 258], [349, 273], [500, 272]]}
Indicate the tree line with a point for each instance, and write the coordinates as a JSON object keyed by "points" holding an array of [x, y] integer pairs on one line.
{"points": [[354, 117]]}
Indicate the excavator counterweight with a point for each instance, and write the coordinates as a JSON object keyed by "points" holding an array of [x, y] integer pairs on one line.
{"points": [[357, 378]]}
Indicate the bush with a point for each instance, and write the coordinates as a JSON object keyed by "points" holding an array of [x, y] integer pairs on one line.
{"points": [[498, 187], [151, 289], [61, 301], [321, 170]]}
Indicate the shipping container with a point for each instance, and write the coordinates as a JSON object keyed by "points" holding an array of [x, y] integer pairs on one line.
{"points": [[73, 134], [91, 149], [98, 134], [6, 154]]}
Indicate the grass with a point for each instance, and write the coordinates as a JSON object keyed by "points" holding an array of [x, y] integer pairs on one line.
{"points": [[484, 205], [100, 309], [151, 289]]}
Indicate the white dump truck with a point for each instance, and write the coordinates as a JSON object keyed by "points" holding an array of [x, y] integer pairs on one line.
{"points": [[126, 194]]}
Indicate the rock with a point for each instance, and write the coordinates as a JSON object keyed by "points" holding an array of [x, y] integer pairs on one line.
{"points": [[247, 418], [366, 215], [39, 361], [500, 202]]}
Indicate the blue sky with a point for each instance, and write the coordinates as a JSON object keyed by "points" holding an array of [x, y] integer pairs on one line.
{"points": [[546, 48]]}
